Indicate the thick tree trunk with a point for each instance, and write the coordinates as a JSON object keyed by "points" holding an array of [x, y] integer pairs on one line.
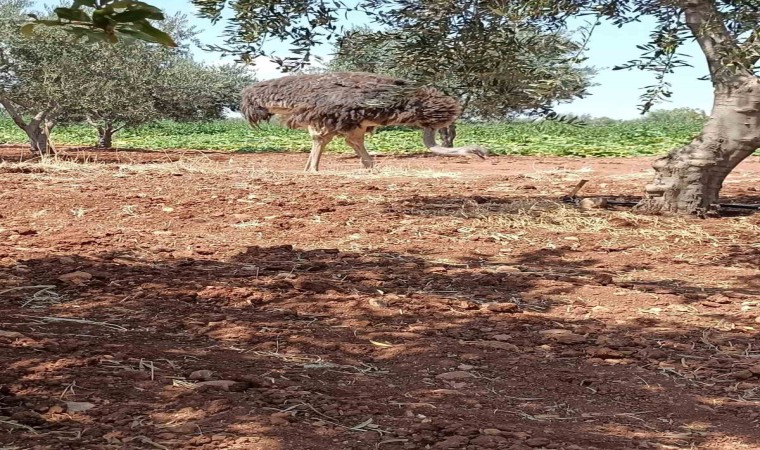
{"points": [[689, 179], [448, 135], [39, 139], [105, 136], [38, 129]]}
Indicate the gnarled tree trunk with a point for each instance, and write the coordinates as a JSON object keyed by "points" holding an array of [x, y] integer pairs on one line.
{"points": [[39, 139], [689, 179], [448, 135], [37, 129], [105, 136]]}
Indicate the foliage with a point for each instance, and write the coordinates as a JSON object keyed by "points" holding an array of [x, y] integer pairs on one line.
{"points": [[653, 134], [106, 20], [112, 86], [512, 72], [731, 26]]}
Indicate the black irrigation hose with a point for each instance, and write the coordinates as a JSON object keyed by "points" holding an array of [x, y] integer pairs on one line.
{"points": [[622, 203]]}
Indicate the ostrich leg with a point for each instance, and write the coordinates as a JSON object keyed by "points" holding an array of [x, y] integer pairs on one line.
{"points": [[319, 140], [355, 139]]}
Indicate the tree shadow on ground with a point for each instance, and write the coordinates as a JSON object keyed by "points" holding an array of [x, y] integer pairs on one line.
{"points": [[88, 155], [306, 346]]}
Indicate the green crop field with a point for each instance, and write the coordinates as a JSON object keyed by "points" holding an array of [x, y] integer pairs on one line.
{"points": [[654, 134]]}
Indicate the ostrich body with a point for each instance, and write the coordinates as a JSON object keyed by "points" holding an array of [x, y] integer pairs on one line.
{"points": [[349, 104]]}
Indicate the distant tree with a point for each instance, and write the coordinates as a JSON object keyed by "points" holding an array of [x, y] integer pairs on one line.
{"points": [[49, 80], [496, 72]]}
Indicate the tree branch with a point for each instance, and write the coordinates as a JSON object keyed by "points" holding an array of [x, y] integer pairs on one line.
{"points": [[705, 22], [12, 111], [751, 48]]}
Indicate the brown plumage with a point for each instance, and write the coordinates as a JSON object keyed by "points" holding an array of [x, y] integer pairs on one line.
{"points": [[349, 104]]}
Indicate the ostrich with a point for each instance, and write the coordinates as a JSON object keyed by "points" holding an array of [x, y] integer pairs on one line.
{"points": [[351, 104]]}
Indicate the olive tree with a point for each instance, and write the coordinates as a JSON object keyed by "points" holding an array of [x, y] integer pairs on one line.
{"points": [[513, 71], [687, 180], [55, 77]]}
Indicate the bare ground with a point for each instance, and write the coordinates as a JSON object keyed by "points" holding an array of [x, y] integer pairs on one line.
{"points": [[434, 303]]}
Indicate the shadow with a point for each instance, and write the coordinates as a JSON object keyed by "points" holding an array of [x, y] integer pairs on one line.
{"points": [[85, 155], [304, 347]]}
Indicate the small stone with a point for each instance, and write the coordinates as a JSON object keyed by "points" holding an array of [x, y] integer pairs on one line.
{"points": [[501, 337], [28, 418], [537, 442], [201, 375], [499, 307], [486, 441], [225, 385], [499, 345], [592, 203], [456, 375], [279, 419], [743, 374], [604, 353], [493, 432], [11, 334], [77, 278], [185, 428], [26, 232], [563, 336], [603, 278], [78, 406], [755, 369], [453, 442], [465, 367]]}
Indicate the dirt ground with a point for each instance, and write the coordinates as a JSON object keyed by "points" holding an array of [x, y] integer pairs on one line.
{"points": [[208, 301]]}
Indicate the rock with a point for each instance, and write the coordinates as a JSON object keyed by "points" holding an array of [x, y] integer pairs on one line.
{"points": [[185, 428], [499, 307], [487, 441], [592, 203], [499, 345], [603, 278], [492, 432], [501, 337], [563, 336], [77, 278], [454, 376], [465, 367], [11, 334], [30, 418], [721, 299], [604, 353], [755, 369], [225, 385], [453, 442], [279, 418], [201, 375], [537, 442], [78, 406], [743, 374]]}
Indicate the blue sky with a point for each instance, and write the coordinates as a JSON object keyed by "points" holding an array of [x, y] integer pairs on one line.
{"points": [[617, 93]]}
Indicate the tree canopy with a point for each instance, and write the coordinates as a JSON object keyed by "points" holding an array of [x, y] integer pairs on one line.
{"points": [[110, 86], [495, 73]]}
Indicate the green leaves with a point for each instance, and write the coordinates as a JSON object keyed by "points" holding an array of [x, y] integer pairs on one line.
{"points": [[72, 14], [108, 21]]}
